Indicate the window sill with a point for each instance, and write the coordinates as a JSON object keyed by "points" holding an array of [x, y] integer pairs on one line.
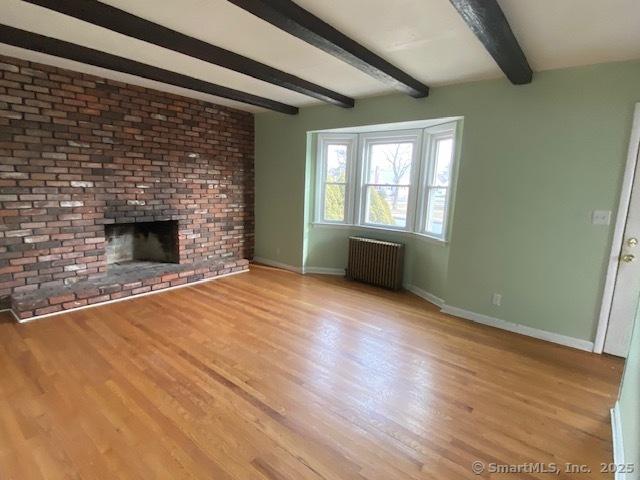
{"points": [[348, 226]]}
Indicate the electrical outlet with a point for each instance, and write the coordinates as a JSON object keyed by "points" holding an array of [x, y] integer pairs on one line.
{"points": [[601, 217], [496, 299], [278, 252]]}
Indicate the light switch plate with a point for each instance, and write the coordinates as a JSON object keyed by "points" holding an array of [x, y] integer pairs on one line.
{"points": [[601, 217], [496, 299]]}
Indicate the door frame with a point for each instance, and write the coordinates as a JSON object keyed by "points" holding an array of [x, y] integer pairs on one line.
{"points": [[618, 232]]}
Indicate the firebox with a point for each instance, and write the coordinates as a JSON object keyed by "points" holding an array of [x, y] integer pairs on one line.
{"points": [[142, 242]]}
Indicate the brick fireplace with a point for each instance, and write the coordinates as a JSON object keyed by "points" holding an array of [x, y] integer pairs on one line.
{"points": [[109, 190], [155, 242]]}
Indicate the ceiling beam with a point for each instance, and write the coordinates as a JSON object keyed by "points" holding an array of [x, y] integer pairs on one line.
{"points": [[297, 21], [71, 51], [117, 20], [487, 20]]}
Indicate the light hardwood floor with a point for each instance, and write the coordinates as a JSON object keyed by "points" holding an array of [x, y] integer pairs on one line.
{"points": [[272, 375]]}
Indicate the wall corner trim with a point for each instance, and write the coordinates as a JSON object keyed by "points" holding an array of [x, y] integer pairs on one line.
{"points": [[300, 270], [325, 271], [273, 263], [616, 436], [429, 297], [565, 340]]}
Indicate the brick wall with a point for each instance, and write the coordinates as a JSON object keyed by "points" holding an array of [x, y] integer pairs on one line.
{"points": [[77, 152]]}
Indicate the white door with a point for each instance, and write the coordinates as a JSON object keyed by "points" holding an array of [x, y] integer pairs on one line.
{"points": [[627, 280]]}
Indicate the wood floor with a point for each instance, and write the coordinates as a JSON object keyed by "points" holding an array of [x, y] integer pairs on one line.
{"points": [[271, 375]]}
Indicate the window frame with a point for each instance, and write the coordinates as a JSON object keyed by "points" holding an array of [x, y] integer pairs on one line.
{"points": [[431, 136], [422, 170], [351, 141], [369, 139]]}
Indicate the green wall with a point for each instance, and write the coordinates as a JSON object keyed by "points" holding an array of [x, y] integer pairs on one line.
{"points": [[426, 261], [535, 161], [629, 402]]}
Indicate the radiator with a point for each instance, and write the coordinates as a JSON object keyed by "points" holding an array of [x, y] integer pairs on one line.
{"points": [[376, 262]]}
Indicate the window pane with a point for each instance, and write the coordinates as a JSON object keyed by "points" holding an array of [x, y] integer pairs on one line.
{"points": [[334, 196], [336, 163], [390, 163], [435, 210], [444, 155], [387, 206]]}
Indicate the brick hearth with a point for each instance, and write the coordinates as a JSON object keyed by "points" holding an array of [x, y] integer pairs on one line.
{"points": [[121, 281], [78, 152]]}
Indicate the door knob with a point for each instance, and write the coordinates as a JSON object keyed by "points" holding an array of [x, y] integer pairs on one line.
{"points": [[632, 242], [628, 258]]}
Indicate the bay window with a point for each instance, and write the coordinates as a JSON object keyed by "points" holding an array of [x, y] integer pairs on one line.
{"points": [[396, 180]]}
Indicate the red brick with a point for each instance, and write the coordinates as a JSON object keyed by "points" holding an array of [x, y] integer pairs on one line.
{"points": [[62, 298], [101, 298], [169, 277], [118, 295], [47, 310], [182, 158], [137, 291], [74, 304]]}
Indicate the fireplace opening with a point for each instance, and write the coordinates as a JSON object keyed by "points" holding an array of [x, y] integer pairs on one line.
{"points": [[142, 242]]}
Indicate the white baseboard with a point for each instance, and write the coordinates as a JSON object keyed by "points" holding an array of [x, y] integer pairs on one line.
{"points": [[517, 328], [324, 270], [273, 263], [124, 299], [578, 343], [429, 297], [616, 433]]}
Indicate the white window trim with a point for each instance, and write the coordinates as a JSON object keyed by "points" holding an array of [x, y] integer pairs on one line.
{"points": [[368, 139], [351, 140], [357, 162], [431, 136]]}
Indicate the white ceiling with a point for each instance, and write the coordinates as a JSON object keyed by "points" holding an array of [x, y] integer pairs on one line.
{"points": [[426, 38]]}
